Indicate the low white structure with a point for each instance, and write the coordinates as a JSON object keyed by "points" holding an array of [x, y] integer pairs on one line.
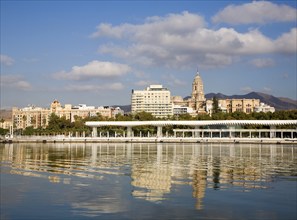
{"points": [[264, 108], [192, 123], [179, 110], [198, 131]]}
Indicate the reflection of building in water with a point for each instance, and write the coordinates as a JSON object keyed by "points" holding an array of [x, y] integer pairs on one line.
{"points": [[154, 168], [155, 179], [151, 178], [199, 185], [98, 200]]}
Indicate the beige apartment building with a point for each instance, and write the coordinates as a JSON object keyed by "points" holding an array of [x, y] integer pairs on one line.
{"points": [[241, 105], [233, 105], [154, 99], [30, 116], [6, 124], [39, 117]]}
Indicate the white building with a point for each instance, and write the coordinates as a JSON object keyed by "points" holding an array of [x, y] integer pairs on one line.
{"points": [[154, 99], [179, 110], [82, 107], [264, 108], [117, 111]]}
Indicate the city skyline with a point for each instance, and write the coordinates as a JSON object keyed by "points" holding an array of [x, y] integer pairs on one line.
{"points": [[97, 52]]}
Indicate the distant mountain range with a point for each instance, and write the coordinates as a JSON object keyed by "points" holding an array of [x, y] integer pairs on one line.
{"points": [[278, 103]]}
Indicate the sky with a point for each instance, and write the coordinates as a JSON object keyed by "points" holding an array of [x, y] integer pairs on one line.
{"points": [[96, 52]]}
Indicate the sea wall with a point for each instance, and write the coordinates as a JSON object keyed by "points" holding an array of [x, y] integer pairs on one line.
{"points": [[51, 139]]}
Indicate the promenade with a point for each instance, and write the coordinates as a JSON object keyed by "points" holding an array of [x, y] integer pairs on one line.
{"points": [[225, 131], [66, 139]]}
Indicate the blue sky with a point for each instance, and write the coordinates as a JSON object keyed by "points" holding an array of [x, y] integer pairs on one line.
{"points": [[96, 52]]}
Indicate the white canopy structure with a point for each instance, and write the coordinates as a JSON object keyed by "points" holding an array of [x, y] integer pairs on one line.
{"points": [[191, 123], [197, 131]]}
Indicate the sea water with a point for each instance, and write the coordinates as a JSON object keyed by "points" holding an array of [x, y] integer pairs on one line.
{"points": [[148, 181]]}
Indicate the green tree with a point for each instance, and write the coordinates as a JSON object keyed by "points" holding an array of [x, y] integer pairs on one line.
{"points": [[120, 117], [215, 105], [185, 116], [57, 124], [203, 117], [219, 116], [143, 116], [29, 131], [3, 131], [54, 122]]}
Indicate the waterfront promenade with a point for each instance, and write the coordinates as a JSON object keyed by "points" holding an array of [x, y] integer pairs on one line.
{"points": [[67, 139], [230, 131]]}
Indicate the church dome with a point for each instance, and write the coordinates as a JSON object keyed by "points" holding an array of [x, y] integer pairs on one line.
{"points": [[55, 104]]}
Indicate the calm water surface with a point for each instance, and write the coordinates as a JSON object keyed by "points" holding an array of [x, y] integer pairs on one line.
{"points": [[148, 181]]}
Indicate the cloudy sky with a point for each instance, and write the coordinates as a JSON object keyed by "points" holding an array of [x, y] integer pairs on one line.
{"points": [[97, 52]]}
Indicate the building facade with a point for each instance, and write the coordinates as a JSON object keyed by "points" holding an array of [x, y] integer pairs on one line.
{"points": [[39, 117], [5, 124], [30, 116], [155, 99], [234, 105]]}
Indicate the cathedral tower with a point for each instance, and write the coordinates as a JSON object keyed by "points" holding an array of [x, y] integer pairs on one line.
{"points": [[198, 98]]}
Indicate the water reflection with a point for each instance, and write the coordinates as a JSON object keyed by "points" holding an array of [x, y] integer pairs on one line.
{"points": [[151, 172]]}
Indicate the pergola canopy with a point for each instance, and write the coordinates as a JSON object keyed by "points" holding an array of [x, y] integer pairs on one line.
{"points": [[191, 123]]}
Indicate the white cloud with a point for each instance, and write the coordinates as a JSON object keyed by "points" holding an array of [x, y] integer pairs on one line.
{"points": [[262, 62], [6, 60], [95, 88], [15, 82], [144, 83], [259, 12], [287, 42], [166, 42], [172, 24], [94, 69], [173, 81], [267, 90]]}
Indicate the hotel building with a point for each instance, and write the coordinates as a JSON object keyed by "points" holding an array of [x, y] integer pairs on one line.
{"points": [[154, 99]]}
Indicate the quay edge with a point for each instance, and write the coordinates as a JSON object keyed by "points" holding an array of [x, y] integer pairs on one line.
{"points": [[150, 140]]}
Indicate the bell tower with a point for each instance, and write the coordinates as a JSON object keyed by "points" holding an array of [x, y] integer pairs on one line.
{"points": [[198, 98]]}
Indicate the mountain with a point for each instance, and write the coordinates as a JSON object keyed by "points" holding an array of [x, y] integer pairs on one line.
{"points": [[5, 114], [126, 108], [278, 103]]}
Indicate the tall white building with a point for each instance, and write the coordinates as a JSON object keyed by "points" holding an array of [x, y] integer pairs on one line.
{"points": [[154, 99]]}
